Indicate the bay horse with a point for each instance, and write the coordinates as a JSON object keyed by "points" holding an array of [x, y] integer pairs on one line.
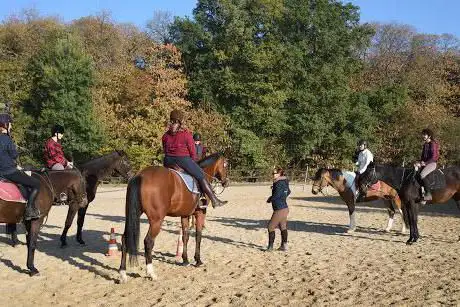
{"points": [[53, 183], [158, 192], [406, 181], [95, 170], [343, 183]]}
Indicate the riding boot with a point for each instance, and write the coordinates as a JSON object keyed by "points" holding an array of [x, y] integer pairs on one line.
{"points": [[284, 236], [426, 187], [206, 188], [271, 240], [32, 211]]}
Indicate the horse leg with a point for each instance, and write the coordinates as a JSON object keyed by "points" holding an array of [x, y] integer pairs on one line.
{"points": [[200, 216], [352, 214], [411, 211], [391, 215], [12, 230], [185, 236], [149, 241], [80, 222], [33, 227], [68, 222], [123, 276]]}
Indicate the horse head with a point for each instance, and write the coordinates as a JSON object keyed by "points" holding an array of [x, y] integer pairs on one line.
{"points": [[320, 180], [215, 166], [123, 166]]}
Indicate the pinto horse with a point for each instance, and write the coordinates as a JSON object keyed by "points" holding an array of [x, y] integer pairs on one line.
{"points": [[159, 192], [95, 170], [338, 180], [405, 180], [53, 183]]}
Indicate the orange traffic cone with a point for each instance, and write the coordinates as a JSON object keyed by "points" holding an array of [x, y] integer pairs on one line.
{"points": [[180, 247], [113, 247]]}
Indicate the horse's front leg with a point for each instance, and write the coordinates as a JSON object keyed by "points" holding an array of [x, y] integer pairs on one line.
{"points": [[352, 214], [391, 215], [80, 222], [410, 210], [68, 222], [12, 230], [33, 227], [200, 216], [185, 236]]}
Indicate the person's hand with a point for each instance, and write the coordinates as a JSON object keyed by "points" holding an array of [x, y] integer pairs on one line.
{"points": [[417, 164], [70, 165], [422, 163], [19, 167]]}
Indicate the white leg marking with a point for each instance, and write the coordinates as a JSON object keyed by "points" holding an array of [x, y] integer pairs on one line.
{"points": [[123, 277]]}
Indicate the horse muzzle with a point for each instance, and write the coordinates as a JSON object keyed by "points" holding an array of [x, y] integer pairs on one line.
{"points": [[225, 183], [314, 190]]}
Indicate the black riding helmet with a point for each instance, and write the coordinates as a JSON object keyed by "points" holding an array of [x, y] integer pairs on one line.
{"points": [[196, 137], [5, 118], [362, 142], [57, 129]]}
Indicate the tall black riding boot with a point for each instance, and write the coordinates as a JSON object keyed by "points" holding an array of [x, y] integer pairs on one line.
{"points": [[271, 240], [32, 211], [206, 188], [284, 237], [426, 187]]}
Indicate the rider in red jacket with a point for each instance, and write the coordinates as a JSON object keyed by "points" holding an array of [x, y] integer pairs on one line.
{"points": [[179, 149]]}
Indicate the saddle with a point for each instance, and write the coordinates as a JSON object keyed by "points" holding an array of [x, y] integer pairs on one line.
{"points": [[436, 180], [11, 192], [190, 182]]}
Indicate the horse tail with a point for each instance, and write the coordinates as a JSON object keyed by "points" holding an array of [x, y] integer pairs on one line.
{"points": [[132, 224]]}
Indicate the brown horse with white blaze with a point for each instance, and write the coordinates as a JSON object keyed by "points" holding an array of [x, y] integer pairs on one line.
{"points": [[343, 183], [159, 192]]}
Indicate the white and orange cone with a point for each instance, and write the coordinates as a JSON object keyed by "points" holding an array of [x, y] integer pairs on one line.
{"points": [[180, 247], [113, 247]]}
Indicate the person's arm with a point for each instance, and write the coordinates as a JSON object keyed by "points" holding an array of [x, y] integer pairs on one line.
{"points": [[367, 158], [163, 141], [190, 145], [434, 152], [12, 150]]}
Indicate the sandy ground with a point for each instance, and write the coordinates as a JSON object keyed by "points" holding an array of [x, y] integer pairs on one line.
{"points": [[324, 264]]}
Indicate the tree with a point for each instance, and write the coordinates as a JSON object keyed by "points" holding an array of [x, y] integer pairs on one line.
{"points": [[158, 27], [62, 76]]}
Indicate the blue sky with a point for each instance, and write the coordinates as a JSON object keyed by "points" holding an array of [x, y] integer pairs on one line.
{"points": [[429, 16]]}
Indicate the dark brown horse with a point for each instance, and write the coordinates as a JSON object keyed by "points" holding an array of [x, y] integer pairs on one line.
{"points": [[159, 192], [343, 182], [95, 170], [405, 180], [53, 183]]}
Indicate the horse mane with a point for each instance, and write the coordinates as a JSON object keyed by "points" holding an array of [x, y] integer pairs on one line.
{"points": [[211, 159], [333, 172], [91, 161]]}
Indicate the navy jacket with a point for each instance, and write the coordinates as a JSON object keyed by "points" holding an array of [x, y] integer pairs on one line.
{"points": [[280, 191], [8, 155]]}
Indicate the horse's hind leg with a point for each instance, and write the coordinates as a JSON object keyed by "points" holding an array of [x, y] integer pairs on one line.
{"points": [[12, 230], [123, 276], [68, 222], [149, 242], [185, 237]]}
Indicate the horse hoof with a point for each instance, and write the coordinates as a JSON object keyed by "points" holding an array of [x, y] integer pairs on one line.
{"points": [[198, 263], [81, 242], [387, 230], [63, 244], [152, 277], [34, 272], [123, 277], [185, 263], [351, 230]]}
